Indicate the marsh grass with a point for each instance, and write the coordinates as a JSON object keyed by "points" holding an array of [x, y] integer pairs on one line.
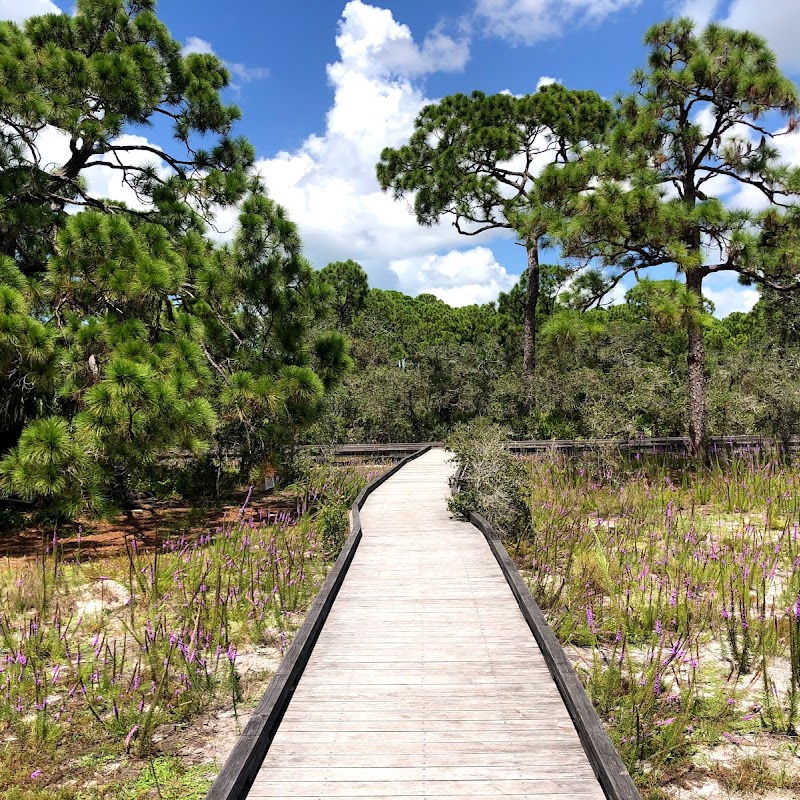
{"points": [[684, 584], [95, 655]]}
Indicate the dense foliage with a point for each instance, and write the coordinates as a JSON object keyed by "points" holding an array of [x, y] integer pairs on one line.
{"points": [[130, 339], [626, 194], [127, 335], [477, 160], [422, 367], [704, 117]]}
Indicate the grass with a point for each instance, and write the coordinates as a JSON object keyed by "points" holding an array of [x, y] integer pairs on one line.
{"points": [[170, 780], [684, 584], [753, 775], [96, 655]]}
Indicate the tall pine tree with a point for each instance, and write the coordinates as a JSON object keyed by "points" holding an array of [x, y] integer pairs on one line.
{"points": [[704, 116], [126, 334], [477, 159]]}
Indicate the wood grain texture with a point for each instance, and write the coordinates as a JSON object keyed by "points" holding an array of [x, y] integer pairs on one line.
{"points": [[425, 680]]}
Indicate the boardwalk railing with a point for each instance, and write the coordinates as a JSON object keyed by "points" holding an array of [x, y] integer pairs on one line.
{"points": [[241, 767], [397, 450], [662, 444], [603, 756]]}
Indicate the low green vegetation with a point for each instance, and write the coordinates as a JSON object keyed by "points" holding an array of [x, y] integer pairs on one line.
{"points": [[98, 656], [675, 590]]}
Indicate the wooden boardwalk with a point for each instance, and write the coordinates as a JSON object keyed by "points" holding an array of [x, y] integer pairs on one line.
{"points": [[425, 680]]}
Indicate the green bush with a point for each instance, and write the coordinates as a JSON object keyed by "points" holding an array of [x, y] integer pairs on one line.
{"points": [[492, 481]]}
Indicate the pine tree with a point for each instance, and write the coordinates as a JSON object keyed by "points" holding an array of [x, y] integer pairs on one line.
{"points": [[477, 158], [89, 77], [126, 334], [349, 286], [702, 118], [260, 302]]}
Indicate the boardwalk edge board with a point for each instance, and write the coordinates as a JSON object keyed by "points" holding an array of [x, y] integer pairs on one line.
{"points": [[242, 765], [603, 756]]}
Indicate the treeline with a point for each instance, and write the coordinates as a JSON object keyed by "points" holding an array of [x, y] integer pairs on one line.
{"points": [[421, 367], [686, 169]]}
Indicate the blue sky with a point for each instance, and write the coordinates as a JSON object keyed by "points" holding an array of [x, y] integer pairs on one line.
{"points": [[325, 85]]}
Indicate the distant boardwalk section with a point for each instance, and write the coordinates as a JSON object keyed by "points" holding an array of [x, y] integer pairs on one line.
{"points": [[425, 680]]}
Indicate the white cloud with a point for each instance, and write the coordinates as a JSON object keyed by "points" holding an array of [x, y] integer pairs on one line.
{"points": [[778, 21], [328, 185], [107, 182], [738, 194], [702, 11], [53, 147], [372, 43], [244, 74], [727, 296], [530, 21], [616, 297], [545, 80], [457, 277], [194, 44], [20, 10]]}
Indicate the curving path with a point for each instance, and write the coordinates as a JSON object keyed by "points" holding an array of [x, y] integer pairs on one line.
{"points": [[425, 680]]}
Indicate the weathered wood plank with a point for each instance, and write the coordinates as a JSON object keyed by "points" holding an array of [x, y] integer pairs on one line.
{"points": [[244, 761], [474, 728], [425, 680], [550, 788], [517, 740], [328, 774], [381, 758]]}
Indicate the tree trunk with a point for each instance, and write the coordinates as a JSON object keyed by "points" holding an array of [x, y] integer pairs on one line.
{"points": [[531, 301], [697, 373]]}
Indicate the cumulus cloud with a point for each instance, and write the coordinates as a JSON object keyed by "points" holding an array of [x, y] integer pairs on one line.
{"points": [[457, 277], [531, 21], [372, 43], [702, 11], [736, 193], [105, 182], [616, 297], [545, 80], [328, 184], [727, 296], [20, 10], [194, 44], [52, 146]]}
